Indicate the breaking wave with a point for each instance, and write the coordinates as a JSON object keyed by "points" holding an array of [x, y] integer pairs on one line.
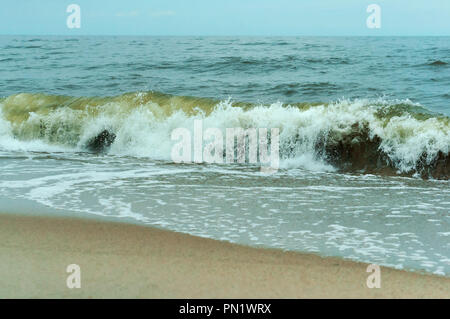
{"points": [[371, 136]]}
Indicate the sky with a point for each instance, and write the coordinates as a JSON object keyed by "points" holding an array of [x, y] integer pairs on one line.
{"points": [[226, 17]]}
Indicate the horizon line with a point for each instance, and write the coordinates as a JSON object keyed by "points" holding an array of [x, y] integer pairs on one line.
{"points": [[231, 35]]}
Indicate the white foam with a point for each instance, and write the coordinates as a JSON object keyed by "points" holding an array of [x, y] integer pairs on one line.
{"points": [[143, 131]]}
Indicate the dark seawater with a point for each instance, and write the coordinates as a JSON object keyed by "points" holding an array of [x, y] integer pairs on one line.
{"points": [[266, 70], [364, 139]]}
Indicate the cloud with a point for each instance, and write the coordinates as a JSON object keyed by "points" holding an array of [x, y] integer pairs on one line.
{"points": [[162, 13], [128, 14]]}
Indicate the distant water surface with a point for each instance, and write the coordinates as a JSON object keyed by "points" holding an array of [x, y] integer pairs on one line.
{"points": [[303, 69]]}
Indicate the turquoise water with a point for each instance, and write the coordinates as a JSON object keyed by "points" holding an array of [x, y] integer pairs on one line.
{"points": [[364, 139], [303, 69]]}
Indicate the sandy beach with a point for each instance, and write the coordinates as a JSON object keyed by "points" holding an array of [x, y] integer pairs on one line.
{"points": [[128, 261]]}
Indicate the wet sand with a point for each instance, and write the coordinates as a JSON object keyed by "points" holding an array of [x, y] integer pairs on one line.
{"points": [[128, 261]]}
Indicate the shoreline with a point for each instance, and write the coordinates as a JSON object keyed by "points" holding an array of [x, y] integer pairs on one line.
{"points": [[120, 260]]}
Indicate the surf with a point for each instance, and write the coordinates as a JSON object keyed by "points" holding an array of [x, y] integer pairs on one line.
{"points": [[363, 135]]}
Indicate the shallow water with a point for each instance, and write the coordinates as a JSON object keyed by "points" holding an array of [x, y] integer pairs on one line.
{"points": [[396, 221]]}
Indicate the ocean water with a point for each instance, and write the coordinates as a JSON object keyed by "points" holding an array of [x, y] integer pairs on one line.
{"points": [[364, 139]]}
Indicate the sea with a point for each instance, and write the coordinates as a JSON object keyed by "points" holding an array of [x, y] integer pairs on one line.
{"points": [[86, 127]]}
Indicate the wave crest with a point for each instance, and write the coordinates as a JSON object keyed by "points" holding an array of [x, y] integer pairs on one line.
{"points": [[376, 136]]}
